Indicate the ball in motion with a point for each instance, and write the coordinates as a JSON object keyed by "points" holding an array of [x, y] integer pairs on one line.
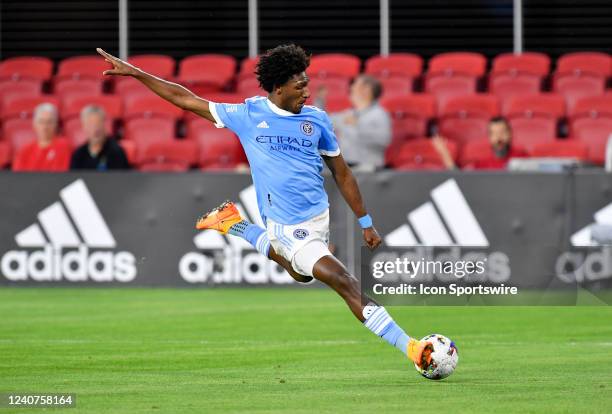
{"points": [[444, 357]]}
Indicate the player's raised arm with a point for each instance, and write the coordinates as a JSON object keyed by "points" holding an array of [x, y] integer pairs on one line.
{"points": [[345, 180], [170, 91]]}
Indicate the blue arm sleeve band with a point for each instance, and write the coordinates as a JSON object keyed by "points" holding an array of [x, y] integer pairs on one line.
{"points": [[365, 221]]}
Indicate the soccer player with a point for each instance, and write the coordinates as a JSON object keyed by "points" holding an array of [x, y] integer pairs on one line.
{"points": [[285, 142]]}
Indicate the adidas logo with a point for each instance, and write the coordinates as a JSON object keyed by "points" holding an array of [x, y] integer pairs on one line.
{"points": [[231, 259], [263, 124], [64, 236], [447, 221], [582, 238]]}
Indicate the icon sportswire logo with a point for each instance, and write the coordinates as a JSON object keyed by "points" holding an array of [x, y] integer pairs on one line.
{"points": [[230, 259], [447, 221], [70, 241]]}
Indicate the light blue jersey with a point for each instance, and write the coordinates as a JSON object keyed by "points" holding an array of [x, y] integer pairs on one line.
{"points": [[284, 151]]}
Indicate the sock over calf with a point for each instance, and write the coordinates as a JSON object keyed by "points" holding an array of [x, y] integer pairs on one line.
{"points": [[378, 321], [252, 233]]}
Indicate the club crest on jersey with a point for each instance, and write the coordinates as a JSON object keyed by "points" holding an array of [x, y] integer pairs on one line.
{"points": [[307, 128], [300, 234]]}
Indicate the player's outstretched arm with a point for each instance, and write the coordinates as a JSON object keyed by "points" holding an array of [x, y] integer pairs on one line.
{"points": [[170, 91], [345, 180]]}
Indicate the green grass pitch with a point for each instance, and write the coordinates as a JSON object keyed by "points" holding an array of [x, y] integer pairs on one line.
{"points": [[292, 351]]}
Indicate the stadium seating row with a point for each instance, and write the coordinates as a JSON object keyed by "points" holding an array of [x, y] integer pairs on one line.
{"points": [[535, 119], [451, 102], [420, 154], [216, 69]]}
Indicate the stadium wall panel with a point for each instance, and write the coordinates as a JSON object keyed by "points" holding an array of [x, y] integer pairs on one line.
{"points": [[127, 229]]}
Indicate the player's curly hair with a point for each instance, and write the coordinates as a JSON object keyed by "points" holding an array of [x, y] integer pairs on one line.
{"points": [[278, 65]]}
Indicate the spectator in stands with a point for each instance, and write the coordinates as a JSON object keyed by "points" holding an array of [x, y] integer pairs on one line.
{"points": [[47, 152], [364, 131], [501, 148], [99, 152]]}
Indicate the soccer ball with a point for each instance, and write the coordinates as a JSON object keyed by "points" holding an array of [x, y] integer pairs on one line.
{"points": [[444, 357]]}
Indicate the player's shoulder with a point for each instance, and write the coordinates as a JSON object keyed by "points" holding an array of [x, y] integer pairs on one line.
{"points": [[255, 101], [315, 112]]}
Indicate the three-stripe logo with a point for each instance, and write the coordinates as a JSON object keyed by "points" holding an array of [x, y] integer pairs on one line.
{"points": [[447, 221], [65, 234]]}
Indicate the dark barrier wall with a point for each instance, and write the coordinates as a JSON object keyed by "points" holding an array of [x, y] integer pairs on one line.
{"points": [[137, 229], [186, 27]]}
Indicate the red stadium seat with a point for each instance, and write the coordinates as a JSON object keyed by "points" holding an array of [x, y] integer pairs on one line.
{"points": [[173, 152], [219, 147], [446, 87], [144, 132], [26, 67], [593, 107], [533, 63], [465, 63], [78, 67], [74, 132], [585, 62], [420, 154], [409, 114], [508, 85], [151, 107], [475, 151], [128, 88], [396, 86], [10, 89], [158, 65], [196, 124], [337, 104], [129, 147], [69, 88], [594, 132], [561, 149], [405, 65], [24, 107], [5, 154], [471, 105], [18, 132], [466, 118], [530, 132], [247, 68], [462, 129], [249, 86], [72, 106], [335, 86], [334, 65], [577, 86], [540, 105], [207, 73]]}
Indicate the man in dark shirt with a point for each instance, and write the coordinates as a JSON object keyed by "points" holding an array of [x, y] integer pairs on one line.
{"points": [[99, 152]]}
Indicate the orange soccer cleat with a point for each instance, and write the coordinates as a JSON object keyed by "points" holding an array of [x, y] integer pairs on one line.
{"points": [[420, 352], [220, 218]]}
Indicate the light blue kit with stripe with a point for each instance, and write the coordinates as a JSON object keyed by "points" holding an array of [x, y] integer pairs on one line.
{"points": [[284, 151]]}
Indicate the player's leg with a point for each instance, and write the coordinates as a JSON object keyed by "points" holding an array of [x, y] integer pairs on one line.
{"points": [[329, 270], [226, 219]]}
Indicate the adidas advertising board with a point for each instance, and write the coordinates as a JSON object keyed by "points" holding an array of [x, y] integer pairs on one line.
{"points": [[529, 230], [587, 256], [69, 241]]}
